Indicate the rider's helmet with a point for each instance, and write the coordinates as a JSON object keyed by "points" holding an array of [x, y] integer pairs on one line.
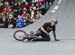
{"points": [[54, 20]]}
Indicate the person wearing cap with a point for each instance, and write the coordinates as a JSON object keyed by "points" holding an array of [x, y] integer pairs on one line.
{"points": [[11, 21], [45, 30]]}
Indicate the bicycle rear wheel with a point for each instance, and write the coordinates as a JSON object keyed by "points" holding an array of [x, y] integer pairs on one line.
{"points": [[19, 35]]}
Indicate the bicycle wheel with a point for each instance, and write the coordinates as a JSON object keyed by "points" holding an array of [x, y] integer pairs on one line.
{"points": [[19, 35]]}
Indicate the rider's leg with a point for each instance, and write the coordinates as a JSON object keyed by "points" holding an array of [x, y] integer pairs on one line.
{"points": [[45, 37], [38, 33]]}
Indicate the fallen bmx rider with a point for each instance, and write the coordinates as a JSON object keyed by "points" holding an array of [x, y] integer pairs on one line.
{"points": [[45, 30]]}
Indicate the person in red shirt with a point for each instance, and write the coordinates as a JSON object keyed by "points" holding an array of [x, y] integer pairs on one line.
{"points": [[24, 15], [27, 6], [4, 11]]}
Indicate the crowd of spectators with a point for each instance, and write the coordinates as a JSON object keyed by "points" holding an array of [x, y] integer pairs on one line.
{"points": [[20, 13]]}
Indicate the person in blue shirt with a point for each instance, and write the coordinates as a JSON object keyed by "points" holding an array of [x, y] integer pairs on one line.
{"points": [[20, 22]]}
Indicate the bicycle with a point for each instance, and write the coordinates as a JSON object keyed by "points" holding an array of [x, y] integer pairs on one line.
{"points": [[21, 35]]}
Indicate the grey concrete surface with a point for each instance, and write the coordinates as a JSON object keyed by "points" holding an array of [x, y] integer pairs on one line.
{"points": [[65, 32]]}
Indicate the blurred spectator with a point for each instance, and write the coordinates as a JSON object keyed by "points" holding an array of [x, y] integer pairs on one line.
{"points": [[37, 6], [15, 6], [27, 6], [24, 15], [33, 6], [5, 22], [15, 13], [5, 11], [20, 22], [1, 6], [6, 5], [10, 12], [20, 7], [38, 15], [32, 15], [11, 21], [42, 8]]}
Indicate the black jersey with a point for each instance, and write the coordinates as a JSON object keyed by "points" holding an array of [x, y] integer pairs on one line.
{"points": [[47, 26]]}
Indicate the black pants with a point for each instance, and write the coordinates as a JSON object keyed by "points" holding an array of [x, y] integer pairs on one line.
{"points": [[44, 36]]}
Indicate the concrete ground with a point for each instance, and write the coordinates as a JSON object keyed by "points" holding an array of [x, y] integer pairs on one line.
{"points": [[64, 12]]}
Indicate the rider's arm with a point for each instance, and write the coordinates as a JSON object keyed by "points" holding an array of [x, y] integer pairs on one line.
{"points": [[54, 33]]}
